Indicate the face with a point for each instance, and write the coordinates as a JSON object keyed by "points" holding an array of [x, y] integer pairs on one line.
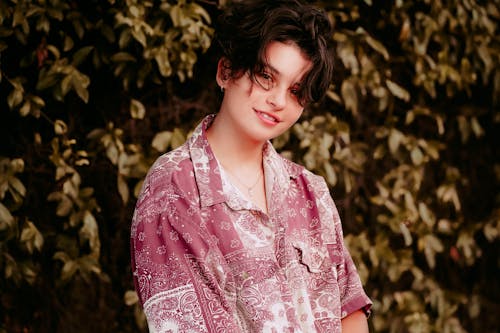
{"points": [[264, 106]]}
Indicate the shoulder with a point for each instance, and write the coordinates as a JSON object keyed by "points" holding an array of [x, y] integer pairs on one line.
{"points": [[168, 173], [315, 182], [169, 164]]}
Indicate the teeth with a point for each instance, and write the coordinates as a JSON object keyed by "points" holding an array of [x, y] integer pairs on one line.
{"points": [[268, 117]]}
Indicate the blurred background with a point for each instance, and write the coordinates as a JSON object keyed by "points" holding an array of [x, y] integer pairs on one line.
{"points": [[92, 92]]}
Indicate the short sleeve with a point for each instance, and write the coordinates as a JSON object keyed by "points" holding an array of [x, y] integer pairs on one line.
{"points": [[352, 294], [178, 291]]}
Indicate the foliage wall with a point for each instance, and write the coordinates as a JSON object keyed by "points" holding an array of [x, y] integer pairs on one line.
{"points": [[91, 92]]}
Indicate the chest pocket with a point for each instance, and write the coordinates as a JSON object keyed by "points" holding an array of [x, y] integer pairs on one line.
{"points": [[321, 262], [314, 258]]}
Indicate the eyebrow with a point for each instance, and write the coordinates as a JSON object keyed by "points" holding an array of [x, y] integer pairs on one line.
{"points": [[277, 72]]}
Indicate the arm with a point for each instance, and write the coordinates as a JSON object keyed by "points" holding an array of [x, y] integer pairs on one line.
{"points": [[355, 323], [177, 289]]}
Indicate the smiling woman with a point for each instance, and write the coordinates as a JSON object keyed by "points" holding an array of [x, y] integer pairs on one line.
{"points": [[228, 235], [259, 107]]}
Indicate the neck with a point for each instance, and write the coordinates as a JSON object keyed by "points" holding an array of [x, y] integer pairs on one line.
{"points": [[232, 150]]}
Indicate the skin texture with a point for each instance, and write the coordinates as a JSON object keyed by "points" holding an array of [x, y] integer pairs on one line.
{"points": [[244, 99], [355, 323]]}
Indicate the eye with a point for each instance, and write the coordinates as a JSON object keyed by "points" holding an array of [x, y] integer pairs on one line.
{"points": [[264, 79], [297, 92]]}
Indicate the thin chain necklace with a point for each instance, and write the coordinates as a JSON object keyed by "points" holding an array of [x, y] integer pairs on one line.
{"points": [[249, 188]]}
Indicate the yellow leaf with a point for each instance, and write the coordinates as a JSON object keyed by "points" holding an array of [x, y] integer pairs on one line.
{"points": [[394, 140], [417, 157], [406, 234], [130, 297], [31, 237], [350, 96], [123, 188], [178, 138], [6, 218], [161, 141], [137, 109], [60, 127], [397, 90], [69, 269], [25, 109], [331, 175]]}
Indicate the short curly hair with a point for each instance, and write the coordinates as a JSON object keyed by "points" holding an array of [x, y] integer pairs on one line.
{"points": [[246, 28]]}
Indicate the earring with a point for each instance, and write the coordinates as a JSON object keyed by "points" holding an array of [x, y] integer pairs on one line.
{"points": [[222, 89]]}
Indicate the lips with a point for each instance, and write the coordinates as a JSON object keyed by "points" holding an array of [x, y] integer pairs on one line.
{"points": [[267, 118]]}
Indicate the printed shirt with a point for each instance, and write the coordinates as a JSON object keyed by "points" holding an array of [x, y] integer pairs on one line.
{"points": [[206, 259]]}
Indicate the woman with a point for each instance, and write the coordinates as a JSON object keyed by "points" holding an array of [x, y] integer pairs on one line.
{"points": [[228, 236]]}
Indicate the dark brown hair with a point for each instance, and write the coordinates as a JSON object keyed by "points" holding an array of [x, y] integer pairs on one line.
{"points": [[245, 29]]}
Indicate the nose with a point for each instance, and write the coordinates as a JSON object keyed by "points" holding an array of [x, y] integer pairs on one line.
{"points": [[277, 97]]}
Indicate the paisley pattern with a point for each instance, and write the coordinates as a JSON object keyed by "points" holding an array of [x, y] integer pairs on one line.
{"points": [[205, 259]]}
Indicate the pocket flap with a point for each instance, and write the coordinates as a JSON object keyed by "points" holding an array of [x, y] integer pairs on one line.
{"points": [[312, 256]]}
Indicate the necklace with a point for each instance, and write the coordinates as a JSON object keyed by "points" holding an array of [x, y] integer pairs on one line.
{"points": [[248, 188]]}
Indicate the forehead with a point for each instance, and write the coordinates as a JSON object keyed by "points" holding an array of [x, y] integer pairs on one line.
{"points": [[287, 61]]}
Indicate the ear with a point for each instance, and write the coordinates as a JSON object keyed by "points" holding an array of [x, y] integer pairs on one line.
{"points": [[223, 72]]}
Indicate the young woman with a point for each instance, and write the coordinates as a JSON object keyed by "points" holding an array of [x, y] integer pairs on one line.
{"points": [[228, 236]]}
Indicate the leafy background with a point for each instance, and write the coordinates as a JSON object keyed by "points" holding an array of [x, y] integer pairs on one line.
{"points": [[92, 92]]}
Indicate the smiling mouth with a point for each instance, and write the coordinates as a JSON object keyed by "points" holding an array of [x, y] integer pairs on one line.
{"points": [[267, 117]]}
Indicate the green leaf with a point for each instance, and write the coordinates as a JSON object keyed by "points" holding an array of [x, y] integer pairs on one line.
{"points": [[89, 232], [16, 96], [80, 83], [69, 269], [6, 218], [80, 55], [123, 57], [17, 187], [31, 237]]}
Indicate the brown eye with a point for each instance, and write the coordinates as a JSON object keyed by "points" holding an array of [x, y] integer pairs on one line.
{"points": [[299, 95], [265, 80]]}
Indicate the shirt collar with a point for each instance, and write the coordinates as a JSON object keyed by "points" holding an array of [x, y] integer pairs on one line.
{"points": [[277, 170], [205, 166]]}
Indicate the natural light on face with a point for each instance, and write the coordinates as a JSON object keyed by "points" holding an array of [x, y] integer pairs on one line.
{"points": [[267, 79]]}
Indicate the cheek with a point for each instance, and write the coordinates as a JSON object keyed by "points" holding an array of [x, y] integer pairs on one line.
{"points": [[297, 111]]}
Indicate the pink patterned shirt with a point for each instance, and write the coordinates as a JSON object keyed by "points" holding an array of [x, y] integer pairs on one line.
{"points": [[205, 259]]}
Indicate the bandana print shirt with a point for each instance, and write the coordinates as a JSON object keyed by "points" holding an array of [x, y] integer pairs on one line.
{"points": [[205, 259]]}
